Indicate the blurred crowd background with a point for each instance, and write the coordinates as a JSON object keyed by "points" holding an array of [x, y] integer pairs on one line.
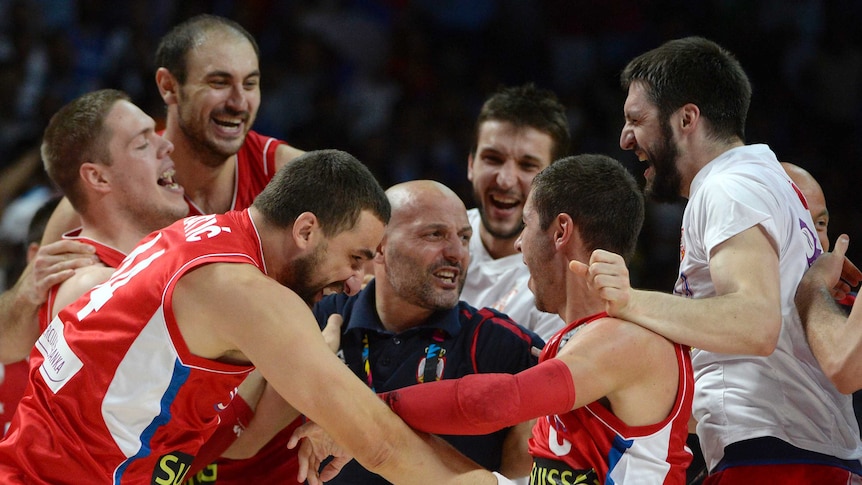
{"points": [[398, 83]]}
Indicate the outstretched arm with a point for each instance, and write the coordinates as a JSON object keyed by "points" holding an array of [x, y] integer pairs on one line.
{"points": [[465, 406], [635, 369], [280, 336], [744, 271], [835, 338]]}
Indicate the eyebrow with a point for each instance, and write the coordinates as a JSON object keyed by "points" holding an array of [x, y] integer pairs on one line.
{"points": [[146, 131], [255, 73], [481, 150], [367, 253]]}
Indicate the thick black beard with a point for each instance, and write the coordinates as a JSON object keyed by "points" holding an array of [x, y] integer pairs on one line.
{"points": [[666, 183]]}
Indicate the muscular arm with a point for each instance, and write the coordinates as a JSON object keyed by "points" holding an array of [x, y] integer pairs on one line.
{"points": [[635, 369], [744, 317], [835, 338], [280, 336]]}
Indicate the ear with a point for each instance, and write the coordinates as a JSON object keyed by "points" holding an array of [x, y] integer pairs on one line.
{"points": [[95, 177], [378, 253], [306, 230], [168, 85], [689, 117], [564, 231], [470, 167]]}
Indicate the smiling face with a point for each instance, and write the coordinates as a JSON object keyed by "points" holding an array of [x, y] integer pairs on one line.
{"points": [[141, 170], [336, 263], [218, 103], [426, 248], [651, 139], [506, 160]]}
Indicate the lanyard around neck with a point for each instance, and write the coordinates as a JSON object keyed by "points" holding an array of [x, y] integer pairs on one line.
{"points": [[433, 352]]}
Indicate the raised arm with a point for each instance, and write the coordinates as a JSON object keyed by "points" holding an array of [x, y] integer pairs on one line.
{"points": [[280, 336], [834, 337], [744, 317]]}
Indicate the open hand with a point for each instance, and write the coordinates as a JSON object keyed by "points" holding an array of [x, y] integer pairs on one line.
{"points": [[316, 447]]}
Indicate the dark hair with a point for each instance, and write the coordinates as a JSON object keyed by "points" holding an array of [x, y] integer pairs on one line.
{"points": [[599, 194], [331, 184], [175, 45], [528, 106], [699, 71], [40, 220], [77, 134]]}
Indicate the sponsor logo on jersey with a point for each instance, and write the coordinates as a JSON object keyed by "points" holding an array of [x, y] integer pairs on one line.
{"points": [[208, 475], [171, 469], [61, 363], [553, 472]]}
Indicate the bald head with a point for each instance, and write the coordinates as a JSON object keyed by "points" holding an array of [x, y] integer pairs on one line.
{"points": [[409, 200], [815, 198], [425, 252]]}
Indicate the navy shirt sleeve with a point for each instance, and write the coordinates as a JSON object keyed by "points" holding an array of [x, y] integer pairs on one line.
{"points": [[500, 344]]}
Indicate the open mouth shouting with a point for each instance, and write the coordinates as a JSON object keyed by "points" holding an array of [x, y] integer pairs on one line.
{"points": [[166, 179]]}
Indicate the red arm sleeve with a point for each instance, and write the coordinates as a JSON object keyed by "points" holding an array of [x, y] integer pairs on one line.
{"points": [[484, 403]]}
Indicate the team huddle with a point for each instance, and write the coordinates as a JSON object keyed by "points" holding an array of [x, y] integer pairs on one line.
{"points": [[212, 305]]}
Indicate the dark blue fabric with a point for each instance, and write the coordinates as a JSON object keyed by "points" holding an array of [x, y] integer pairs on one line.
{"points": [[396, 359]]}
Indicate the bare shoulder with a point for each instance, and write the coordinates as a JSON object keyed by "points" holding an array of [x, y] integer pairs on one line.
{"points": [[285, 153], [622, 348], [220, 306], [81, 282], [623, 333], [220, 286]]}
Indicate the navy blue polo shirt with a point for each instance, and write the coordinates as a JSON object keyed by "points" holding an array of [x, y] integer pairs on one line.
{"points": [[451, 344]]}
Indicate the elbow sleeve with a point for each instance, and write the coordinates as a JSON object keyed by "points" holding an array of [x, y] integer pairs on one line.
{"points": [[484, 403]]}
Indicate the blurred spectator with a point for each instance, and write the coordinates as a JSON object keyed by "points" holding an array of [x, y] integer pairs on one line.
{"points": [[397, 83]]}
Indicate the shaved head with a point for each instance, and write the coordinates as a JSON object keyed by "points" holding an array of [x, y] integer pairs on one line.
{"points": [[815, 198]]}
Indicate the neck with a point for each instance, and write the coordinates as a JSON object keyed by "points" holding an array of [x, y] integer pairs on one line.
{"points": [[581, 301], [395, 314], [208, 180], [497, 248], [276, 245], [118, 233]]}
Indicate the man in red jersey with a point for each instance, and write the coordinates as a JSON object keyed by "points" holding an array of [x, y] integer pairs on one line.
{"points": [[612, 399], [209, 78], [129, 380]]}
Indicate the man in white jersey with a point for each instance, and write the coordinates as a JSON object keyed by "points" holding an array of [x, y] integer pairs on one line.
{"points": [[766, 412], [519, 131]]}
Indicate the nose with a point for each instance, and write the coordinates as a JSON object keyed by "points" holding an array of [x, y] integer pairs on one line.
{"points": [[627, 139], [166, 148], [518, 242], [456, 249], [353, 284], [507, 174], [236, 100]]}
